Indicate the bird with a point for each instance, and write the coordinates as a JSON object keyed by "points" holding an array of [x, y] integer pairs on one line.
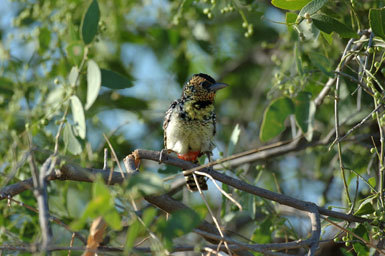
{"points": [[190, 123]]}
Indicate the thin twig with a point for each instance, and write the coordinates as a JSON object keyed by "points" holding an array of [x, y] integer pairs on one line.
{"points": [[51, 218], [210, 211], [324, 92], [356, 236], [114, 155], [337, 120], [105, 158], [220, 189], [359, 124], [71, 243], [40, 192]]}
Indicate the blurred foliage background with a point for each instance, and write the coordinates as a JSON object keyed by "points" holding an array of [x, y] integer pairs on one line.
{"points": [[146, 50]]}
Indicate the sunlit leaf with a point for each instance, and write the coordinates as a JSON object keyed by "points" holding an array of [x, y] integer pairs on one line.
{"points": [[75, 52], [149, 215], [372, 181], [102, 204], [53, 101], [312, 7], [73, 76], [90, 21], [327, 37], [44, 39], [114, 80], [113, 219], [290, 4], [70, 141], [290, 20], [262, 233], [274, 118], [234, 139], [132, 234], [78, 115], [93, 83], [366, 207]]}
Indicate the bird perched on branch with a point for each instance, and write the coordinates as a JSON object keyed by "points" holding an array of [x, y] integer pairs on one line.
{"points": [[189, 124]]}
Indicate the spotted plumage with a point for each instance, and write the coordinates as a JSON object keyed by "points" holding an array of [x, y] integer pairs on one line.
{"points": [[189, 124]]}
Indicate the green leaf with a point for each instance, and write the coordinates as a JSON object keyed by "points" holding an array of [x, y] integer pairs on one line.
{"points": [[233, 139], [359, 248], [372, 181], [6, 85], [102, 204], [71, 143], [181, 222], [312, 7], [377, 21], [145, 183], [100, 189], [114, 80], [148, 216], [274, 118], [290, 20], [132, 234], [290, 4], [328, 24], [298, 59], [75, 52], [346, 252], [54, 100], [304, 113], [366, 207], [90, 21], [93, 83], [262, 233], [44, 39], [327, 37], [321, 62], [78, 115], [115, 100], [112, 218], [73, 76]]}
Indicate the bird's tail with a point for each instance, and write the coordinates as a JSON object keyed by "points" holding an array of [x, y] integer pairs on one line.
{"points": [[192, 186], [192, 156]]}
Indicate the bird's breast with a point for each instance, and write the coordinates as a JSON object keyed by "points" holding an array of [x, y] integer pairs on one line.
{"points": [[188, 132]]}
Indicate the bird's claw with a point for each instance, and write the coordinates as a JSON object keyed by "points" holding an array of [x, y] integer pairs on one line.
{"points": [[161, 156]]}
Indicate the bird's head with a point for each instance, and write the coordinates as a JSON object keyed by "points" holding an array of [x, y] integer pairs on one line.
{"points": [[202, 87]]}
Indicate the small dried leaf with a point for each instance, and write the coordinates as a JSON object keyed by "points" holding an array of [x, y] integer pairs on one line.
{"points": [[95, 237]]}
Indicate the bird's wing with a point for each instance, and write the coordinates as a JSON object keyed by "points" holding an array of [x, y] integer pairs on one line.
{"points": [[167, 120]]}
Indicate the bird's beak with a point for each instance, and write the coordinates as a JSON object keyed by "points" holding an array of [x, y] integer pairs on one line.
{"points": [[217, 86]]}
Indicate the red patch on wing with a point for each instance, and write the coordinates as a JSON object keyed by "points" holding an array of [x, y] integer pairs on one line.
{"points": [[191, 156]]}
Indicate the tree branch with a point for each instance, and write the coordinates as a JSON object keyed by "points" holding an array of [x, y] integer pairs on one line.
{"points": [[170, 205], [282, 199]]}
